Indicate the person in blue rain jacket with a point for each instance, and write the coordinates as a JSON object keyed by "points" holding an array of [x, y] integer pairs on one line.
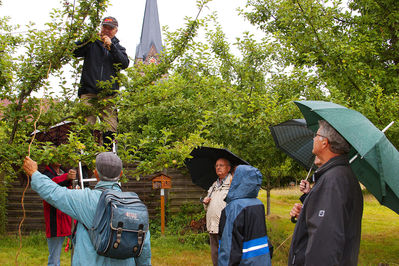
{"points": [[81, 205], [242, 227]]}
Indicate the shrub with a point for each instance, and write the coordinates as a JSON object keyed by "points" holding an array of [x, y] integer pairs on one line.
{"points": [[188, 224]]}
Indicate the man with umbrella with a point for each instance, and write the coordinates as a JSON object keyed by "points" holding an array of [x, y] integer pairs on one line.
{"points": [[329, 222], [214, 203]]}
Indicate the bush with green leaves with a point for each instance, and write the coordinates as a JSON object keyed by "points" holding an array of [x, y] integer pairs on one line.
{"points": [[180, 225]]}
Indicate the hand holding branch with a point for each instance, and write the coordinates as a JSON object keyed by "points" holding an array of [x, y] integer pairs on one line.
{"points": [[29, 166]]}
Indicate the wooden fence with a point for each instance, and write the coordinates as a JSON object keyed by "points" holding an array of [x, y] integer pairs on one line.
{"points": [[183, 191]]}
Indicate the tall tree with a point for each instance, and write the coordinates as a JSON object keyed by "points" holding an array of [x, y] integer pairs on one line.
{"points": [[26, 62], [351, 46]]}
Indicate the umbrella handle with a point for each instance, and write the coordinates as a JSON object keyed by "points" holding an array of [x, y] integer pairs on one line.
{"points": [[293, 220], [310, 170]]}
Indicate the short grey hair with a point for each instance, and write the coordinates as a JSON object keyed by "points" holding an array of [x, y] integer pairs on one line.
{"points": [[337, 143]]}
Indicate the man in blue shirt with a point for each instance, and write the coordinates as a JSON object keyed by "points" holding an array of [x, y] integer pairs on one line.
{"points": [[81, 205]]}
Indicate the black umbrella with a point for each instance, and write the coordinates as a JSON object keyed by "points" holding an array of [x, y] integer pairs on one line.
{"points": [[202, 164], [57, 134], [296, 140]]}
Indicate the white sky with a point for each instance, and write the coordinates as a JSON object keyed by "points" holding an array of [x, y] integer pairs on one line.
{"points": [[129, 14]]}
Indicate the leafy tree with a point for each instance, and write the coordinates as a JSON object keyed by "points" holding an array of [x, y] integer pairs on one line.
{"points": [[37, 54], [201, 93], [210, 97], [350, 46], [26, 62]]}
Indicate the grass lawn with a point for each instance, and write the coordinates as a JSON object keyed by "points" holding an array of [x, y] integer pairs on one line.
{"points": [[379, 244]]}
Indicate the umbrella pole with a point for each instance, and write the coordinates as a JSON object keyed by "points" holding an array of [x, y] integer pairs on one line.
{"points": [[383, 131], [310, 170], [293, 219], [388, 126]]}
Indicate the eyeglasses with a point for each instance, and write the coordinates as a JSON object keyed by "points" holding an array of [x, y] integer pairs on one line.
{"points": [[317, 134]]}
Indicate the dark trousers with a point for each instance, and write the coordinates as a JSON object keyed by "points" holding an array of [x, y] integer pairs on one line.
{"points": [[214, 243]]}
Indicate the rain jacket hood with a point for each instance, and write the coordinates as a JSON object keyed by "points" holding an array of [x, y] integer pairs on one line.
{"points": [[242, 226], [246, 183]]}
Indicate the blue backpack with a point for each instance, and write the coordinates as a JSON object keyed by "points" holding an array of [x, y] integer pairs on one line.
{"points": [[119, 225]]}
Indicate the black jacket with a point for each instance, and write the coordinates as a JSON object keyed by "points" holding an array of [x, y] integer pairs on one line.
{"points": [[329, 226], [100, 64]]}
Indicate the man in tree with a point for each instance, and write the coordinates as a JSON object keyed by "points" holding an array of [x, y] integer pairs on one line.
{"points": [[103, 58], [329, 223], [214, 204]]}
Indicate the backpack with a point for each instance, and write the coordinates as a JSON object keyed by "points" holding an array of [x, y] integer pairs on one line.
{"points": [[120, 225]]}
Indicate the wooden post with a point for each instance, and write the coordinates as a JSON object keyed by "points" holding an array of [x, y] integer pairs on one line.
{"points": [[162, 181], [162, 211]]}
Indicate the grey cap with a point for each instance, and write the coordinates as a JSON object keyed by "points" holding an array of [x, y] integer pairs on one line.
{"points": [[109, 166]]}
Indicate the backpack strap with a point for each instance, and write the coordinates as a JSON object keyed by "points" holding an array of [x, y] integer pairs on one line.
{"points": [[140, 241], [101, 189], [112, 187]]}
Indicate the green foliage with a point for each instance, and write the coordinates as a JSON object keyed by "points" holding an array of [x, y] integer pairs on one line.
{"points": [[179, 225], [26, 62], [202, 93], [349, 46]]}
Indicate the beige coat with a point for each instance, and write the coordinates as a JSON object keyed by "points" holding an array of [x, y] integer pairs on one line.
{"points": [[216, 205]]}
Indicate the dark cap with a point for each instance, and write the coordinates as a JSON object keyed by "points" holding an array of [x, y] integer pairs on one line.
{"points": [[109, 166], [110, 21]]}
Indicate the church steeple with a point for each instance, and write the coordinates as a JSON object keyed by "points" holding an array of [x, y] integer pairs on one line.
{"points": [[150, 45]]}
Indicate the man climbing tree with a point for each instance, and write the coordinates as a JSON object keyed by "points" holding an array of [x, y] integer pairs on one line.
{"points": [[103, 58]]}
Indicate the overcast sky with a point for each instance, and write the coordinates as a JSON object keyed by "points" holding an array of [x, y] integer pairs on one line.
{"points": [[130, 13]]}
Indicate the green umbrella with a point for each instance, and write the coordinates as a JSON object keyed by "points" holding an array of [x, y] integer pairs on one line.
{"points": [[376, 164]]}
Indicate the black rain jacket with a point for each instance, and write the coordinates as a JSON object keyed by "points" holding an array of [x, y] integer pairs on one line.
{"points": [[329, 226], [100, 64]]}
